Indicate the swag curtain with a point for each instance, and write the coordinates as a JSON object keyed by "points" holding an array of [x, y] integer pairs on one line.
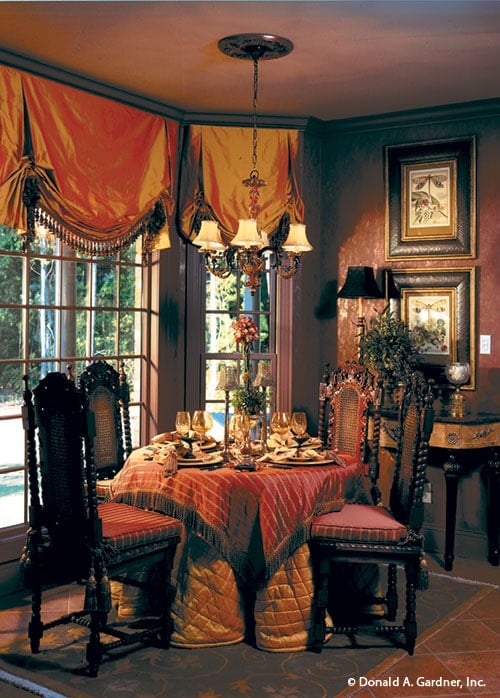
{"points": [[216, 159], [95, 172]]}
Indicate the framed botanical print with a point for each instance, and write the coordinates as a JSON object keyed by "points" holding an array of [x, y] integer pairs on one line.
{"points": [[430, 200], [438, 306]]}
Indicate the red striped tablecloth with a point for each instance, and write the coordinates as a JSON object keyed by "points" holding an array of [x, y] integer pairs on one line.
{"points": [[256, 520]]}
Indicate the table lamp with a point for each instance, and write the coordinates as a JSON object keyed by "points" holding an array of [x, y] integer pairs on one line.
{"points": [[227, 381], [264, 380], [360, 283], [458, 373]]}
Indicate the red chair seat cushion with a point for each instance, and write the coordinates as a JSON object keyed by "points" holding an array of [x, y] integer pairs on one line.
{"points": [[359, 523], [125, 526]]}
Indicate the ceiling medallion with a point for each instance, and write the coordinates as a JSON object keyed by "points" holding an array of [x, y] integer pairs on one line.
{"points": [[251, 46]]}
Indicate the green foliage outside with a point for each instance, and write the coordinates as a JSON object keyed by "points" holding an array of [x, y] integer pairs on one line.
{"points": [[92, 329]]}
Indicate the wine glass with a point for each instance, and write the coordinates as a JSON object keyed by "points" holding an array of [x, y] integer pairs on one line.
{"points": [[182, 423], [237, 434], [182, 427], [202, 422], [298, 425], [280, 424]]}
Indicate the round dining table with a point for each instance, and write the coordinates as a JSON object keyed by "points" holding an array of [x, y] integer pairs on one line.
{"points": [[244, 568]]}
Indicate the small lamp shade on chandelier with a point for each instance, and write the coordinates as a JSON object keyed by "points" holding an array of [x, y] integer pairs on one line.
{"points": [[246, 253]]}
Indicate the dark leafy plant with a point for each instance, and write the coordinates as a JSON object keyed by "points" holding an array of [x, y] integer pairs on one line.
{"points": [[389, 348]]}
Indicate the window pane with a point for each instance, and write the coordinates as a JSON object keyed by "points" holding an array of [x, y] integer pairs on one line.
{"points": [[129, 282], [130, 328], [42, 282], [105, 323], [11, 279], [82, 326], [42, 332], [11, 495], [11, 390], [11, 456], [219, 334], [10, 240], [225, 300], [105, 285], [82, 284], [11, 339]]}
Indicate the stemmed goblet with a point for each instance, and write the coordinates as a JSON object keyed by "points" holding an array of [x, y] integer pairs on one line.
{"points": [[280, 424], [298, 425], [202, 422], [182, 427]]}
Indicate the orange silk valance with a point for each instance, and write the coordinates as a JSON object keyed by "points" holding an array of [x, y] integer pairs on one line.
{"points": [[96, 172], [217, 159]]}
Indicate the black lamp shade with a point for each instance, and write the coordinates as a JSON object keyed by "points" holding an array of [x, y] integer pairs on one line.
{"points": [[360, 283]]}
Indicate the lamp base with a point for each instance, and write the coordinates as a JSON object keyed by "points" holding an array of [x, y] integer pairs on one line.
{"points": [[457, 405]]}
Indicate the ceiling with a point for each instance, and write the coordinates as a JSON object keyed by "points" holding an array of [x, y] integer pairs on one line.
{"points": [[350, 59]]}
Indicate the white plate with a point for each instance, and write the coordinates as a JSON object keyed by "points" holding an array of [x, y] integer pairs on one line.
{"points": [[209, 459], [303, 461]]}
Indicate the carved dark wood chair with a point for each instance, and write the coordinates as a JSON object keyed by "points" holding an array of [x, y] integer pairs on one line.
{"points": [[73, 539], [108, 396], [366, 533], [351, 397]]}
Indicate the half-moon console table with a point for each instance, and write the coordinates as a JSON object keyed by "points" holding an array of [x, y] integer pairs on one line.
{"points": [[474, 431]]}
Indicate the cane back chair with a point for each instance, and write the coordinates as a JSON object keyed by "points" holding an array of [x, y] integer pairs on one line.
{"points": [[73, 539], [362, 533], [350, 398], [108, 396]]}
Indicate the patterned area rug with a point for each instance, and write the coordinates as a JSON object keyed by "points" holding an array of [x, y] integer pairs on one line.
{"points": [[224, 672]]}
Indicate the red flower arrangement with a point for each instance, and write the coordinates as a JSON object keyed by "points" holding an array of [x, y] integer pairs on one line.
{"points": [[245, 330], [247, 399]]}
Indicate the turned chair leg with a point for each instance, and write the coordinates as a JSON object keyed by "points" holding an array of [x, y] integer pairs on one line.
{"points": [[410, 624], [392, 592]]}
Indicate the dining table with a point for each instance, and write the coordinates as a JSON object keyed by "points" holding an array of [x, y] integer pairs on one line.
{"points": [[244, 567]]}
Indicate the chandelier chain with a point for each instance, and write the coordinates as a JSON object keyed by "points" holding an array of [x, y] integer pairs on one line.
{"points": [[255, 92]]}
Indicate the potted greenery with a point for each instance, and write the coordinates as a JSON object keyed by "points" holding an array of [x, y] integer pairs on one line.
{"points": [[388, 348]]}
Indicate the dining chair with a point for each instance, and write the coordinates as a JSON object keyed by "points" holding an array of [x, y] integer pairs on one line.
{"points": [[350, 404], [108, 395], [370, 533], [73, 539]]}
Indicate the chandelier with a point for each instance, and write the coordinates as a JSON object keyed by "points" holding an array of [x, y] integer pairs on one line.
{"points": [[246, 253]]}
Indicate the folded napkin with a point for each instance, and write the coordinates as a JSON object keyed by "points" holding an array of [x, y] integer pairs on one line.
{"points": [[167, 456], [280, 441]]}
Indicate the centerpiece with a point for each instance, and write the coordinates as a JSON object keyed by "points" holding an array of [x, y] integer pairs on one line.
{"points": [[248, 400]]}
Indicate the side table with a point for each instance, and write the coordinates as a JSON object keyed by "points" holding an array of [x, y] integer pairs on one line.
{"points": [[474, 431]]}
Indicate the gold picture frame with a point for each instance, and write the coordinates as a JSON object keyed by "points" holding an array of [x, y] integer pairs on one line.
{"points": [[430, 200], [438, 306]]}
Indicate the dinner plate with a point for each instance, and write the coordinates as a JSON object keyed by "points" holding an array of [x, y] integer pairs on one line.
{"points": [[171, 437], [211, 459], [166, 438], [303, 461]]}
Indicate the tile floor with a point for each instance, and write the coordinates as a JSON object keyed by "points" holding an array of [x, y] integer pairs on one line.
{"points": [[466, 649], [469, 646]]}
